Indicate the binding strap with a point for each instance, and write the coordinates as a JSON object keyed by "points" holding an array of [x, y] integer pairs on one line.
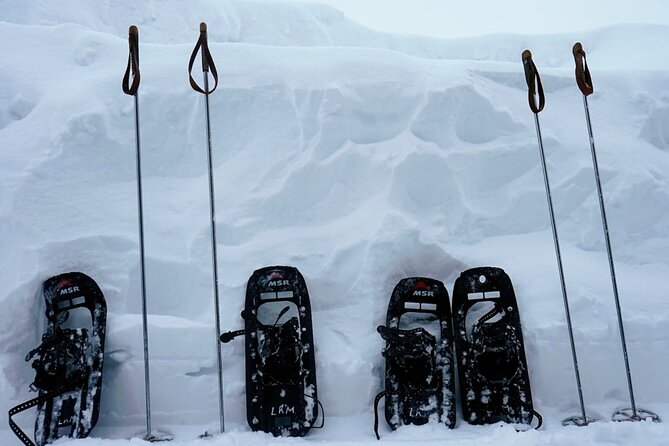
{"points": [[404, 344], [41, 399], [377, 399], [61, 357], [583, 79], [534, 88], [540, 419], [530, 408], [249, 316], [207, 61], [133, 63], [493, 350], [497, 309], [406, 336], [230, 335], [322, 412]]}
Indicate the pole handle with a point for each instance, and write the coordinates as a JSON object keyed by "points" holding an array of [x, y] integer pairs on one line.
{"points": [[132, 70], [583, 79], [535, 91], [207, 61]]}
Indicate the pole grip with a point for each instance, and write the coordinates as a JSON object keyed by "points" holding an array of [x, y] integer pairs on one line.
{"points": [[583, 79], [132, 70], [535, 91], [207, 61], [203, 35]]}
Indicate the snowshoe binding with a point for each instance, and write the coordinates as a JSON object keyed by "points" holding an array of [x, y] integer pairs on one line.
{"points": [[419, 377], [68, 362], [492, 369], [281, 396]]}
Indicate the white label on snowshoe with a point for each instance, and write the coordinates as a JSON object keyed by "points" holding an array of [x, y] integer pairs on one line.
{"points": [[266, 296], [412, 305], [71, 303], [431, 307], [492, 295], [285, 294], [475, 296]]}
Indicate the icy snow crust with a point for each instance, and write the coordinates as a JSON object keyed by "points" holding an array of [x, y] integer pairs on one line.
{"points": [[360, 158]]}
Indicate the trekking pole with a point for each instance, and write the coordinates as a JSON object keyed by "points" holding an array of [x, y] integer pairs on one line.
{"points": [[584, 82], [536, 92], [207, 66], [131, 80]]}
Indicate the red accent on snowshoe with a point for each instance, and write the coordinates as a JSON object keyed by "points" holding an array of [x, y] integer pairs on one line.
{"points": [[64, 283], [275, 275], [421, 286]]}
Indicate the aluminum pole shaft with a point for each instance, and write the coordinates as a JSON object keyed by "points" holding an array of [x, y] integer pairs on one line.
{"points": [[140, 214], [560, 269], [214, 261], [609, 253]]}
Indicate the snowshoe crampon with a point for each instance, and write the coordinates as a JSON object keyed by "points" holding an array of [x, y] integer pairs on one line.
{"points": [[492, 369], [68, 362], [281, 393], [419, 378]]}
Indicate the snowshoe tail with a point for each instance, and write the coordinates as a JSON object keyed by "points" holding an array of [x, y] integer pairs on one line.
{"points": [[492, 368], [419, 377], [68, 363]]}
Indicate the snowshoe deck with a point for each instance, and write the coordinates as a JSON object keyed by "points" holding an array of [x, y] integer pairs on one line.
{"points": [[419, 377], [68, 363], [492, 369], [281, 395]]}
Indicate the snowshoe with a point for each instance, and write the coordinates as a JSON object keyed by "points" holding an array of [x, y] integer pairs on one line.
{"points": [[492, 369], [68, 362], [281, 396], [419, 378]]}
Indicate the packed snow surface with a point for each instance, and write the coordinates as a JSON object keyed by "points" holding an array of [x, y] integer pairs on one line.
{"points": [[360, 158]]}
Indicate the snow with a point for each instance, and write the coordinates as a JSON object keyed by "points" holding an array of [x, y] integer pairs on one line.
{"points": [[357, 156]]}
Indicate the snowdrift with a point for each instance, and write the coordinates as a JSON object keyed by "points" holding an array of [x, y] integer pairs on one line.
{"points": [[357, 156]]}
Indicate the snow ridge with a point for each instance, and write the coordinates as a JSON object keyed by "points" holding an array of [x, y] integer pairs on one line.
{"points": [[357, 156]]}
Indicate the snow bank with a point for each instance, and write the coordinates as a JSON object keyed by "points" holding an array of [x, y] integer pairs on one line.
{"points": [[360, 158]]}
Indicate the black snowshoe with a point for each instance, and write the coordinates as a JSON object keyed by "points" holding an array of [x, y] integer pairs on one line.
{"points": [[281, 393], [492, 369], [68, 363], [419, 379]]}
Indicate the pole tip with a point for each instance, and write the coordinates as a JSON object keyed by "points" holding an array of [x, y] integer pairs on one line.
{"points": [[203, 27], [133, 31], [577, 49]]}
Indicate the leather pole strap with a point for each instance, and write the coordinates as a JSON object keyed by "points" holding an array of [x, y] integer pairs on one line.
{"points": [[132, 70], [534, 88], [583, 79], [207, 61]]}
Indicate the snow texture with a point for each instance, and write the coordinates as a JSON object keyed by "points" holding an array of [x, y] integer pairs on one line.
{"points": [[360, 158]]}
